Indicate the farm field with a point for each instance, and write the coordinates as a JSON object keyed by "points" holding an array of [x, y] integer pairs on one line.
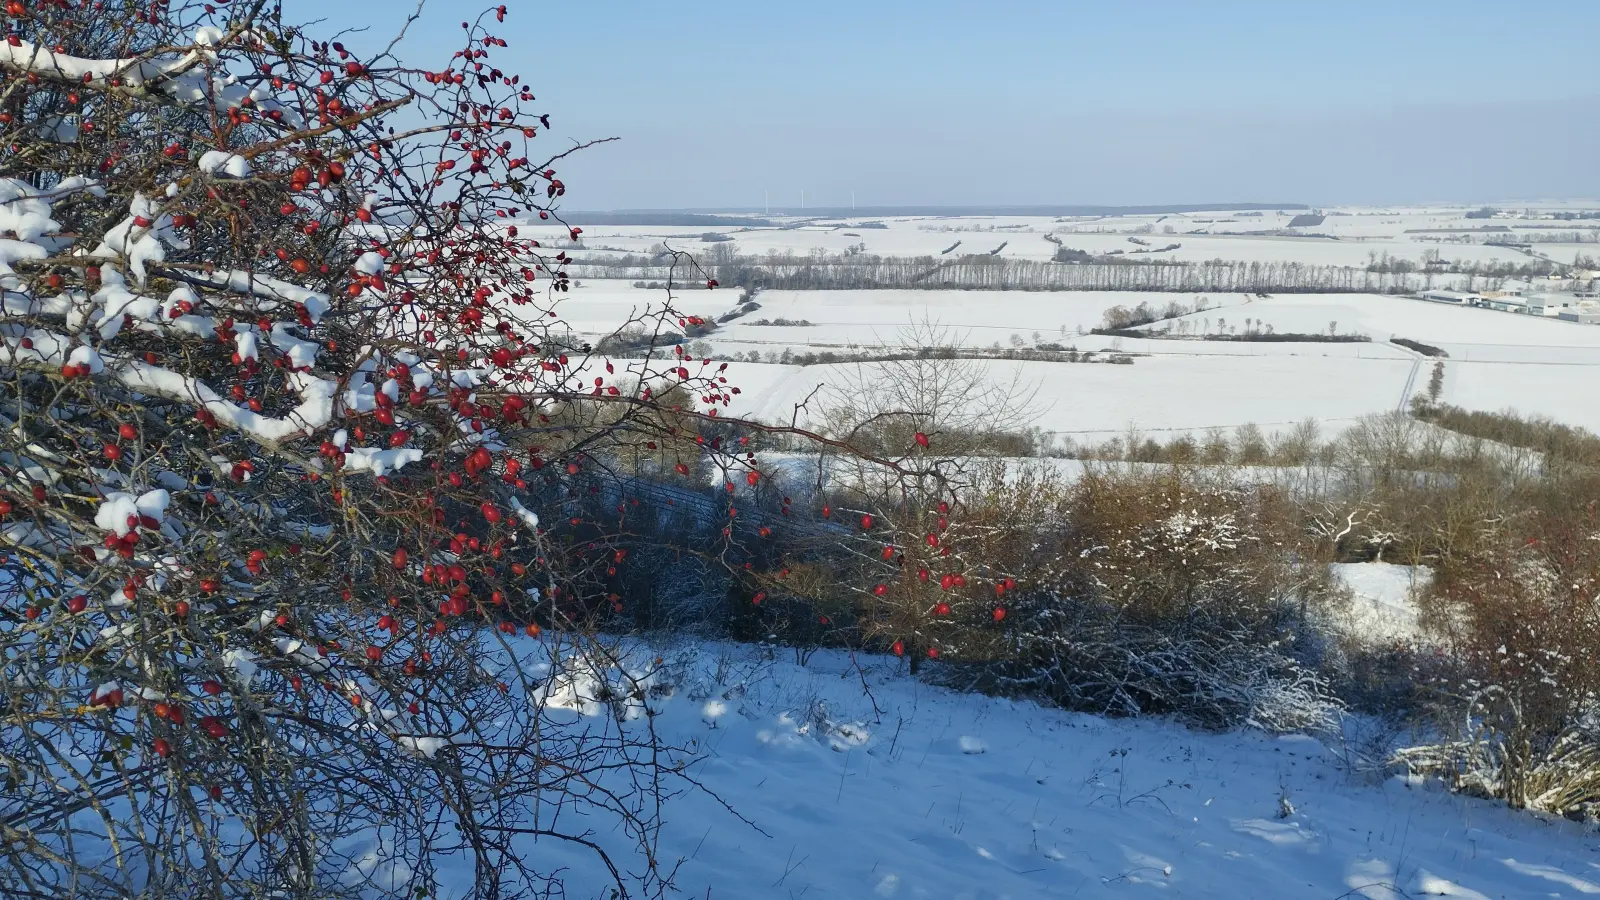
{"points": [[1346, 237], [1168, 394], [1496, 360], [1563, 392]]}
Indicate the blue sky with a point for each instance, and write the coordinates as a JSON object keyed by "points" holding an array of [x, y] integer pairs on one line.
{"points": [[1016, 102]]}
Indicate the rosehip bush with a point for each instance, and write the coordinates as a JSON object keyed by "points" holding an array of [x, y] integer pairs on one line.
{"points": [[306, 489]]}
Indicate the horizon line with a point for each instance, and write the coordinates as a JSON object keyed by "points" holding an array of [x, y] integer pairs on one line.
{"points": [[945, 209]]}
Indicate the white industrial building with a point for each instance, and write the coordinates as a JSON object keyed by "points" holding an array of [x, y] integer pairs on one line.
{"points": [[1454, 297], [1550, 304], [1568, 307], [1502, 304]]}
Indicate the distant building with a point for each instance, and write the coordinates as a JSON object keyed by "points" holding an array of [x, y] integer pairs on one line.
{"points": [[1454, 297], [1550, 304], [1503, 304], [1581, 316]]}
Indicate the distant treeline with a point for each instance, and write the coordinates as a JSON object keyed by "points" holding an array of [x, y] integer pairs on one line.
{"points": [[1420, 347], [1251, 336], [664, 219], [1487, 269], [1049, 352], [790, 271], [677, 216], [1559, 444]]}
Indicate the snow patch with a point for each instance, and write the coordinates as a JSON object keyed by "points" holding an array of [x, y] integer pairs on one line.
{"points": [[119, 508], [1383, 598], [213, 162], [380, 462], [241, 663], [528, 516]]}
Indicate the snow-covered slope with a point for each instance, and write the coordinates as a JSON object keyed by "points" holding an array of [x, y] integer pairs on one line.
{"points": [[913, 791]]}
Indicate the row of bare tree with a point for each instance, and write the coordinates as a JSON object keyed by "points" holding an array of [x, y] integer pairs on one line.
{"points": [[987, 272]]}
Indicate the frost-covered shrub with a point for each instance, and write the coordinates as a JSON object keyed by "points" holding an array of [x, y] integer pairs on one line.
{"points": [[1499, 756], [1118, 592], [1161, 593], [1212, 669], [1519, 609]]}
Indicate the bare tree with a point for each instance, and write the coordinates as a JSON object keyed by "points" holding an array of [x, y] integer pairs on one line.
{"points": [[928, 386]]}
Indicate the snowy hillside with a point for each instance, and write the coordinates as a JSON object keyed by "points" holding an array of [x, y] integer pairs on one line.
{"points": [[860, 782], [374, 525]]}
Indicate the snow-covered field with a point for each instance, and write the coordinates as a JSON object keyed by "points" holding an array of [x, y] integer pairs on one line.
{"points": [[1156, 395], [974, 318], [1346, 237], [1561, 391], [1458, 330], [1497, 360], [912, 791]]}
